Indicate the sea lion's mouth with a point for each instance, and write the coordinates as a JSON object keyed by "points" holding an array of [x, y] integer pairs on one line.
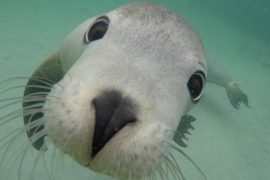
{"points": [[112, 113]]}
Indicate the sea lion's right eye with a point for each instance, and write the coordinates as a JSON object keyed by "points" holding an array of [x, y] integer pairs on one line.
{"points": [[195, 85], [97, 30]]}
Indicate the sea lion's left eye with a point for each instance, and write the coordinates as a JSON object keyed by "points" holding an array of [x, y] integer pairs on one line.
{"points": [[195, 85], [97, 30]]}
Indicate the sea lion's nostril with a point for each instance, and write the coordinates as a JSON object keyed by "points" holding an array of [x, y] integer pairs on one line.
{"points": [[113, 112]]}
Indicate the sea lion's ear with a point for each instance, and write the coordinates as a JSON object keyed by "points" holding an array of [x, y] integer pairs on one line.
{"points": [[36, 90], [182, 129]]}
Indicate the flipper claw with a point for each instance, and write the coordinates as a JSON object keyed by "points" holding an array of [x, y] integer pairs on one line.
{"points": [[236, 95], [182, 130]]}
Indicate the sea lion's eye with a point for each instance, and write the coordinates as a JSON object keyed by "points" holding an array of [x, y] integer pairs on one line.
{"points": [[97, 30], [195, 85]]}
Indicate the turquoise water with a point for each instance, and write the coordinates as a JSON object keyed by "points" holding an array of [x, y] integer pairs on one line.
{"points": [[227, 144]]}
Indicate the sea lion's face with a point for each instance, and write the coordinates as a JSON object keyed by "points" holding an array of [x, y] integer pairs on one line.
{"points": [[132, 74]]}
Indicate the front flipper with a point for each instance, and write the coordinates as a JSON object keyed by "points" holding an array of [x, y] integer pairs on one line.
{"points": [[182, 129], [236, 95], [37, 88]]}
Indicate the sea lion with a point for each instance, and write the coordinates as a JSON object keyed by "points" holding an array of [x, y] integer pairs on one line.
{"points": [[113, 94]]}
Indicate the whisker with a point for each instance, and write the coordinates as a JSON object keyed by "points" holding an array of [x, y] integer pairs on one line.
{"points": [[6, 144], [19, 131], [11, 79], [52, 161], [160, 173], [26, 111], [171, 169], [44, 163], [10, 116], [188, 158], [25, 86], [176, 171], [177, 167], [44, 94], [37, 96], [19, 171], [10, 99], [20, 153], [19, 113], [43, 80], [19, 101], [37, 158], [36, 136]]}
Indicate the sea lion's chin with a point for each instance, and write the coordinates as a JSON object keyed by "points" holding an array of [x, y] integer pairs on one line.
{"points": [[136, 151]]}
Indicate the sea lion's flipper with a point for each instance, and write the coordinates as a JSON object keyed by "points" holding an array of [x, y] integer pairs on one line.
{"points": [[236, 95], [182, 129], [37, 88]]}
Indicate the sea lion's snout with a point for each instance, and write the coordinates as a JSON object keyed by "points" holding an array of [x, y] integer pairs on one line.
{"points": [[112, 113]]}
